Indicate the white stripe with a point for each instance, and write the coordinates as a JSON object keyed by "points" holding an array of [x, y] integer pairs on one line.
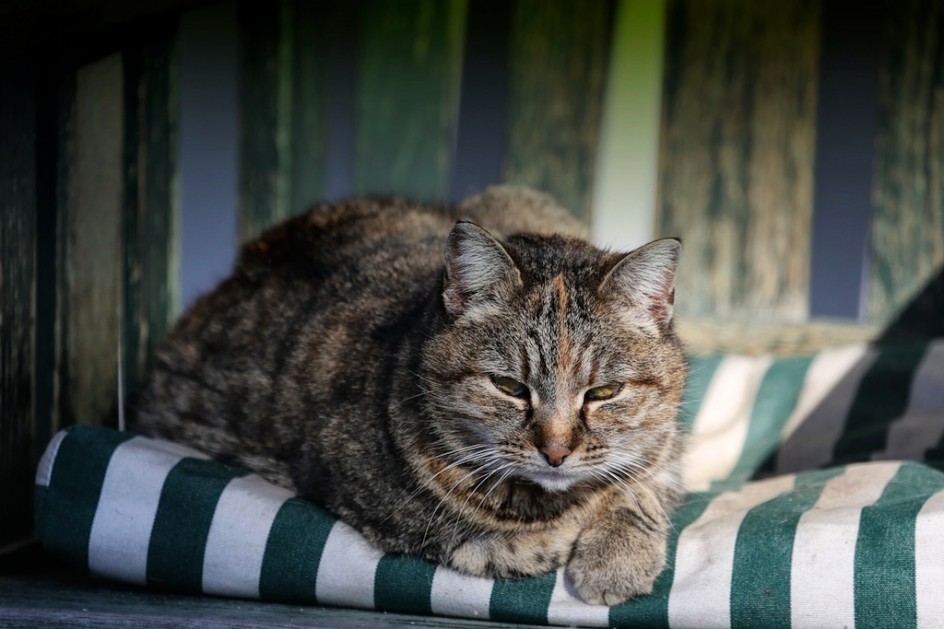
{"points": [[929, 562], [127, 505], [704, 560], [456, 594], [347, 569], [922, 424], [817, 422], [720, 427], [48, 460], [232, 562], [568, 610], [822, 572]]}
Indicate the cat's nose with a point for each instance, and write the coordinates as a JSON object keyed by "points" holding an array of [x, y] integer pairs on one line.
{"points": [[555, 454]]}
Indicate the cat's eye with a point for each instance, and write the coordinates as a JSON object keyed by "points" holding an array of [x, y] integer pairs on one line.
{"points": [[605, 392], [510, 386]]}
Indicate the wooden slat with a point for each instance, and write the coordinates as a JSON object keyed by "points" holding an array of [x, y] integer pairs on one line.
{"points": [[907, 241], [151, 216], [737, 154], [285, 87], [558, 63], [17, 293], [265, 95], [708, 337], [91, 250], [59, 598], [409, 68], [313, 22]]}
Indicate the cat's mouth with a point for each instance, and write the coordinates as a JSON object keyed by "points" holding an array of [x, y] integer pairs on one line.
{"points": [[552, 479]]}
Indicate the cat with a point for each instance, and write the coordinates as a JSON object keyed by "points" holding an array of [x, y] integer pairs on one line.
{"points": [[492, 393]]}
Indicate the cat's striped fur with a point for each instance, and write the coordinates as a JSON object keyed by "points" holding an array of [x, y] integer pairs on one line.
{"points": [[501, 401]]}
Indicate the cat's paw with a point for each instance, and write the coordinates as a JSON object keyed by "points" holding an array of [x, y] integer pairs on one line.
{"points": [[610, 567]]}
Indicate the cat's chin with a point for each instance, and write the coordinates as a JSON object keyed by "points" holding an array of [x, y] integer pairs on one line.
{"points": [[551, 481]]}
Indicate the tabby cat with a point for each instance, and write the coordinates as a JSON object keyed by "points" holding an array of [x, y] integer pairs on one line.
{"points": [[498, 398]]}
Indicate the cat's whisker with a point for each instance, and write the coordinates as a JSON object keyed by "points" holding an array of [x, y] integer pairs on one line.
{"points": [[479, 451], [629, 468], [502, 465], [443, 502]]}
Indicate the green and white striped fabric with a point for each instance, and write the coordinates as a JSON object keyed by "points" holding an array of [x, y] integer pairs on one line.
{"points": [[855, 540]]}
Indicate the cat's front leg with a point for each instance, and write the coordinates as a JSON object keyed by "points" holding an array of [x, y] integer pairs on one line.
{"points": [[619, 555], [515, 555]]}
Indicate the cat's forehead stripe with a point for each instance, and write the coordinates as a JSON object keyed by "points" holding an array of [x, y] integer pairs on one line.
{"points": [[564, 342]]}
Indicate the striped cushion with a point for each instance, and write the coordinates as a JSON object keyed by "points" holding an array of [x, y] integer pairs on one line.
{"points": [[853, 543]]}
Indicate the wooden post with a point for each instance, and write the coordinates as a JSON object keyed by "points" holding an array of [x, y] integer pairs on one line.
{"points": [[558, 63], [409, 67], [151, 198], [737, 154], [18, 214], [907, 238]]}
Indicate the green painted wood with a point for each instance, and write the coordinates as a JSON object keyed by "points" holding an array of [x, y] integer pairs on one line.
{"points": [[265, 94], [61, 413], [91, 258], [737, 154], [314, 29], [409, 71], [284, 94], [907, 237], [18, 212], [152, 209], [558, 65]]}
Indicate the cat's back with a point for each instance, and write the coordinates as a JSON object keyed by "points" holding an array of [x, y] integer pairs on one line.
{"points": [[316, 294], [358, 243]]}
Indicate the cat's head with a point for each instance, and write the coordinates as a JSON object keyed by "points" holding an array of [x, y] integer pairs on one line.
{"points": [[556, 362]]}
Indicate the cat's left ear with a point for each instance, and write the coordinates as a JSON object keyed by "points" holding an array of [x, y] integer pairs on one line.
{"points": [[478, 270], [644, 280]]}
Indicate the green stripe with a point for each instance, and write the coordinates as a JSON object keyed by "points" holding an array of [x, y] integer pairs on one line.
{"points": [[74, 490], [881, 398], [293, 552], [701, 369], [522, 601], [885, 549], [404, 584], [763, 553], [184, 513], [653, 610], [775, 400]]}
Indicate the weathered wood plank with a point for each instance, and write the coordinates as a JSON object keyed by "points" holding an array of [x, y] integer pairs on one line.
{"points": [[409, 69], [151, 213], [18, 214], [90, 247], [310, 101], [907, 238], [285, 87], [558, 64], [56, 597], [265, 96], [737, 154]]}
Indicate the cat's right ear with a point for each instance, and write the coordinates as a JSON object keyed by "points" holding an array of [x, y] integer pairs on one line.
{"points": [[643, 281], [478, 269]]}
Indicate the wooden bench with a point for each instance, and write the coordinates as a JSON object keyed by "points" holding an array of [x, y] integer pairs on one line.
{"points": [[789, 146]]}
